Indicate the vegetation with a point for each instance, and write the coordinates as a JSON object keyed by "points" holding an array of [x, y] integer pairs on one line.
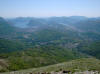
{"points": [[91, 49], [39, 56], [7, 46], [49, 41], [84, 64]]}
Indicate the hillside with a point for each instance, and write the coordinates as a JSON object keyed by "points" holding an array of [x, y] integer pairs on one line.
{"points": [[7, 46], [6, 29], [92, 48], [49, 36], [37, 42], [3, 65], [85, 64], [39, 56]]}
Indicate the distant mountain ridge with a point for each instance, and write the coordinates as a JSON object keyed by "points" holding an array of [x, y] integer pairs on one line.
{"points": [[74, 21]]}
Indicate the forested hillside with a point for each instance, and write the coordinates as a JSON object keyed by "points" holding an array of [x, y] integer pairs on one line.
{"points": [[91, 49], [36, 42], [39, 56]]}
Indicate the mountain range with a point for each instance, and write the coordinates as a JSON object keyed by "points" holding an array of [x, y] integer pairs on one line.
{"points": [[30, 42]]}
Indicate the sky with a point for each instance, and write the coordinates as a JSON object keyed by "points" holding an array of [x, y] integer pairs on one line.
{"points": [[48, 8]]}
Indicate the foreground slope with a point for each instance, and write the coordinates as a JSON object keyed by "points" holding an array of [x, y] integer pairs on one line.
{"points": [[74, 65], [39, 57]]}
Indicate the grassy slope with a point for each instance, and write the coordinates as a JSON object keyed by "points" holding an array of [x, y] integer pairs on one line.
{"points": [[79, 64]]}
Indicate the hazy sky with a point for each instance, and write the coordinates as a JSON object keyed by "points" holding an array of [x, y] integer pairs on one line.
{"points": [[45, 8]]}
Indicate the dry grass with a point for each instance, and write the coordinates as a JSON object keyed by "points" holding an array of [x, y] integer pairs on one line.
{"points": [[74, 65]]}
